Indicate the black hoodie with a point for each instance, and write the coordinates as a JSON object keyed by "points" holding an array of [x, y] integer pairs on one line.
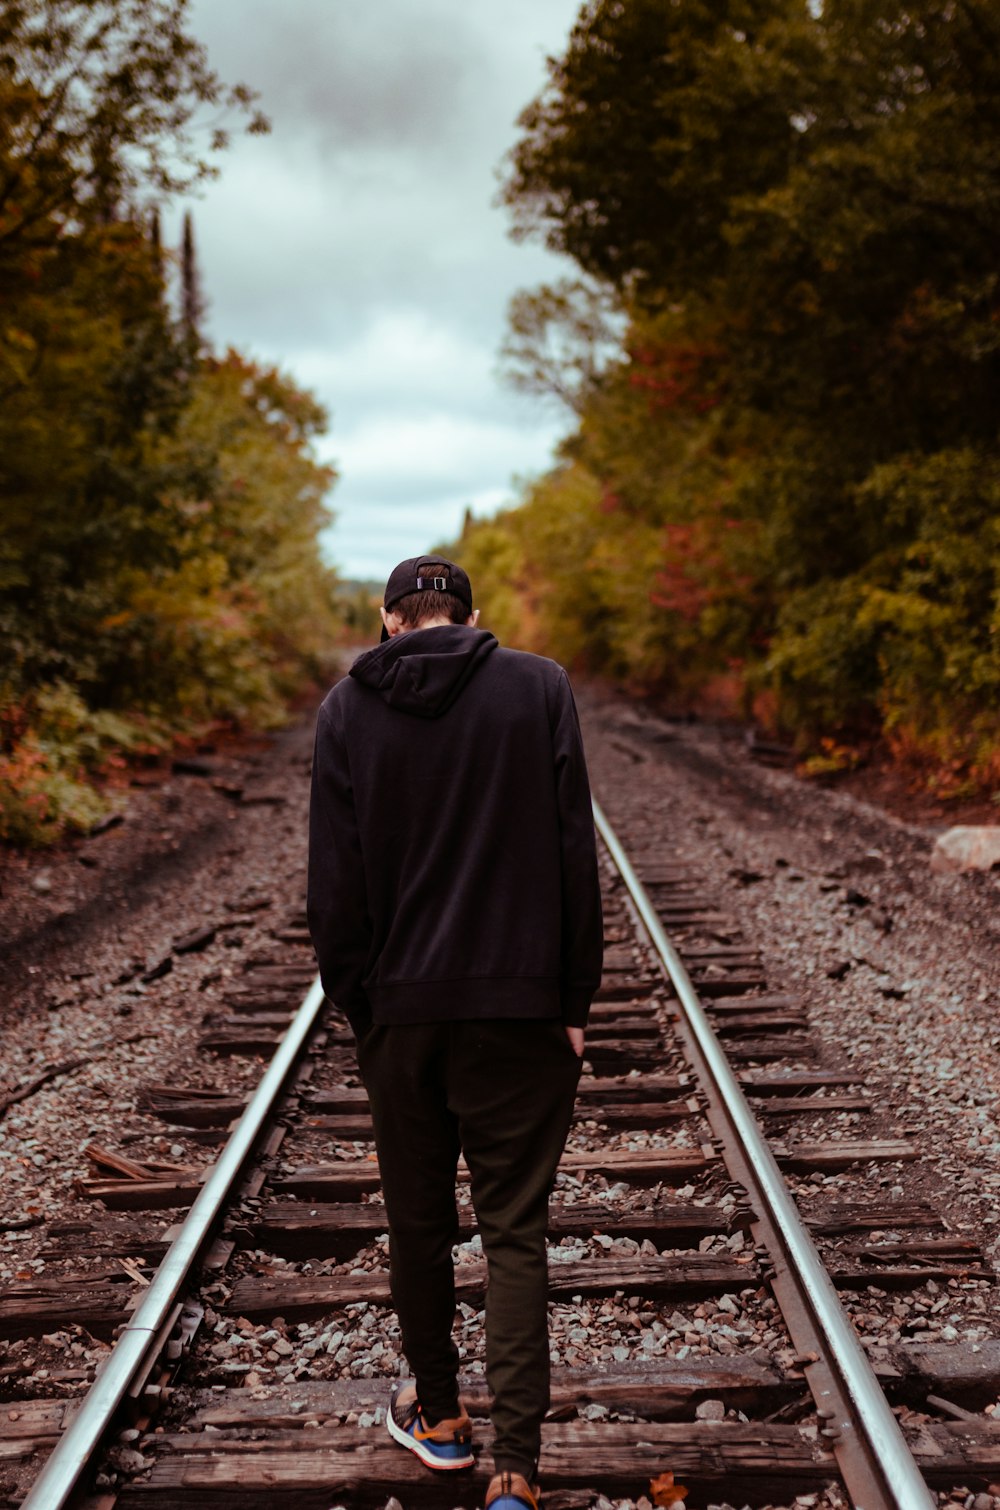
{"points": [[452, 861]]}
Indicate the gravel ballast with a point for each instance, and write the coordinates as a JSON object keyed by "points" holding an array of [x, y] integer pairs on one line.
{"points": [[896, 967]]}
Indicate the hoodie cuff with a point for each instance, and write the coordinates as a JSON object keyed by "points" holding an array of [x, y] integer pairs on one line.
{"points": [[358, 1012], [576, 1005]]}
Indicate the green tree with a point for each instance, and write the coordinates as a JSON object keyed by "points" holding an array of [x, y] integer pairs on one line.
{"points": [[100, 102], [799, 207], [160, 559], [656, 118]]}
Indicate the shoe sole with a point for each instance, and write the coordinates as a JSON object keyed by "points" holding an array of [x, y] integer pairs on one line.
{"points": [[425, 1455]]}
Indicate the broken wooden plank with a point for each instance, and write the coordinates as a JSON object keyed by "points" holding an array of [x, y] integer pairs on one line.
{"points": [[636, 1114], [956, 1249], [769, 1002], [840, 1154], [713, 986], [237, 1023], [99, 1306], [799, 1106], [29, 1087], [831, 1219], [141, 1195], [106, 1158], [610, 1088], [215, 1113], [790, 1082], [245, 1042], [966, 1372], [112, 1239], [622, 1053], [763, 1049], [905, 1277], [636, 989], [622, 1027], [749, 1022]]}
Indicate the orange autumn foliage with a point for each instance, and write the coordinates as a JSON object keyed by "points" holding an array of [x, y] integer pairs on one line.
{"points": [[665, 1491]]}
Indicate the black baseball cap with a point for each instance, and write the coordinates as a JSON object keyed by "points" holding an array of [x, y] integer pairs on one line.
{"points": [[423, 574]]}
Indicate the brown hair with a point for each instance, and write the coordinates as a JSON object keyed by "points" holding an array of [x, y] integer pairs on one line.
{"points": [[417, 607]]}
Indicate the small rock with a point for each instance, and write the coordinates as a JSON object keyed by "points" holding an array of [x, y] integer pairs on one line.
{"points": [[710, 1410], [42, 883], [966, 848], [127, 1460]]}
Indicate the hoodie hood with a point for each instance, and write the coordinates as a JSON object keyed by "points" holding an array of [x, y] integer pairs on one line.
{"points": [[424, 670]]}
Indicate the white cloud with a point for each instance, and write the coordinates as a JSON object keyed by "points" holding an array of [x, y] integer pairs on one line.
{"points": [[359, 248], [393, 459]]}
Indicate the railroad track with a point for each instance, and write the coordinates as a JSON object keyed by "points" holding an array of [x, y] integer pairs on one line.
{"points": [[696, 1322]]}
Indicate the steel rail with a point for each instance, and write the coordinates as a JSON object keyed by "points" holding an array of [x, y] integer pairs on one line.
{"points": [[874, 1420], [75, 1449]]}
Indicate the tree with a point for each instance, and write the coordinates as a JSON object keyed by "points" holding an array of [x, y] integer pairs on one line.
{"points": [[159, 539], [559, 340], [192, 299], [102, 101], [799, 206], [655, 119]]}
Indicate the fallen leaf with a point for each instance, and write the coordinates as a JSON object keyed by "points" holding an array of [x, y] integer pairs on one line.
{"points": [[665, 1492]]}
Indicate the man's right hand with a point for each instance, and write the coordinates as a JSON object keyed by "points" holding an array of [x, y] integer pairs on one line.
{"points": [[575, 1036]]}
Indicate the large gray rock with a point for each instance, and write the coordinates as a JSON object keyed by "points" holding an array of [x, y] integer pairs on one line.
{"points": [[966, 848]]}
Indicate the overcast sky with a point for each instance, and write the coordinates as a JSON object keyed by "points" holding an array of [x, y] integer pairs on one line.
{"points": [[359, 248]]}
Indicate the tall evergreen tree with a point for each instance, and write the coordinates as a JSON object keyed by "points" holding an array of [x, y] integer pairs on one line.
{"points": [[192, 300], [156, 241]]}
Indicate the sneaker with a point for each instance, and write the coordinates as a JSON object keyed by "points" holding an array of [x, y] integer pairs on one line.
{"points": [[448, 1445], [511, 1491]]}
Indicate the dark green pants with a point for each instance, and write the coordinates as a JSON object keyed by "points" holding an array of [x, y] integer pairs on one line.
{"points": [[501, 1092]]}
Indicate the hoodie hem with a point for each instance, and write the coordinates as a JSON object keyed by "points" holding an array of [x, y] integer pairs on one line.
{"points": [[458, 1000]]}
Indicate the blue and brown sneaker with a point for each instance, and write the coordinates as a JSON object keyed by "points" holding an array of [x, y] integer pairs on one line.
{"points": [[511, 1491], [446, 1445]]}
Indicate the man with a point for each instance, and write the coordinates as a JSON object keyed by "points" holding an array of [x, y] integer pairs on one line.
{"points": [[455, 910]]}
